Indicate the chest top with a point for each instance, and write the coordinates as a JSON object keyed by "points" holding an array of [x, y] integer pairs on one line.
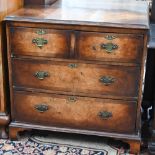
{"points": [[113, 13]]}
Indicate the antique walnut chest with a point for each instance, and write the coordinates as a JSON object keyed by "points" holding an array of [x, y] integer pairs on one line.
{"points": [[77, 67]]}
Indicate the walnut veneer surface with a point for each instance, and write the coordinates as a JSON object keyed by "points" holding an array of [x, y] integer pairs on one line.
{"points": [[78, 66]]}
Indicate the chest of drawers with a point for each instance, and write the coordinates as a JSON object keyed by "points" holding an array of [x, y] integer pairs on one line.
{"points": [[74, 68]]}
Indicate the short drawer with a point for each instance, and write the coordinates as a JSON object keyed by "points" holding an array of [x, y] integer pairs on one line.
{"points": [[75, 112], [90, 79], [110, 47], [39, 42]]}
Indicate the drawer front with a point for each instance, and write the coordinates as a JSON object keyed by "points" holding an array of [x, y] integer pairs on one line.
{"points": [[39, 42], [110, 47], [75, 112], [118, 81]]}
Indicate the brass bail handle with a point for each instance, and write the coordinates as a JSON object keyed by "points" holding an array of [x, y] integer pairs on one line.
{"points": [[41, 75], [39, 42], [107, 80], [105, 114], [109, 47], [41, 107]]}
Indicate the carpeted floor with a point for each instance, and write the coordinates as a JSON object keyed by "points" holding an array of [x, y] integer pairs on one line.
{"points": [[32, 147], [61, 144]]}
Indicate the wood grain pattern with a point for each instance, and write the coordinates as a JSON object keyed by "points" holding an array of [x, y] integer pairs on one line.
{"points": [[80, 73], [87, 12], [82, 113], [129, 47], [85, 78], [82, 27], [58, 42], [83, 45]]}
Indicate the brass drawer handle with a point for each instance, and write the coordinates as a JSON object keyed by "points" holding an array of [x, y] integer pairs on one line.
{"points": [[72, 99], [109, 47], [72, 66], [41, 75], [40, 42], [105, 114], [107, 80], [41, 107]]}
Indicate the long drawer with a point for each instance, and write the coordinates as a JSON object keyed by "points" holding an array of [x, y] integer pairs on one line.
{"points": [[92, 79], [74, 112]]}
